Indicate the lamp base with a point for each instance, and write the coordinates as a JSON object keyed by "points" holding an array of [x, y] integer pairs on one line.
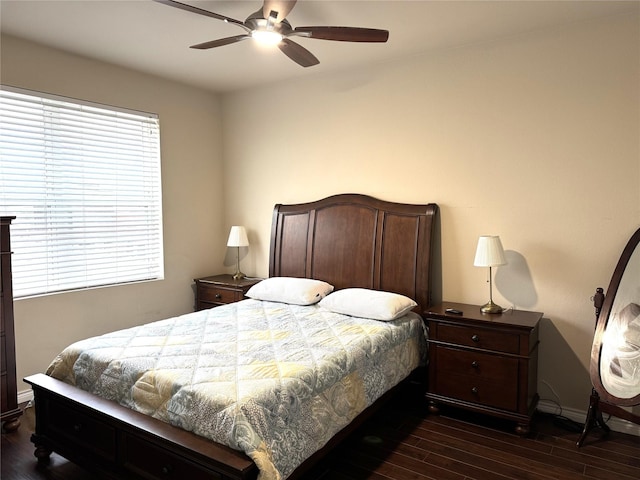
{"points": [[238, 275], [491, 307]]}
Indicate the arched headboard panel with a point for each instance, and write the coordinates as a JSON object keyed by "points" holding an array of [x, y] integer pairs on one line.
{"points": [[353, 240]]}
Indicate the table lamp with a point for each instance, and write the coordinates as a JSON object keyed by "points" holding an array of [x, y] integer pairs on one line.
{"points": [[238, 238], [490, 254]]}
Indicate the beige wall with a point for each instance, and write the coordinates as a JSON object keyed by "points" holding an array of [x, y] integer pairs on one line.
{"points": [[190, 123], [535, 138]]}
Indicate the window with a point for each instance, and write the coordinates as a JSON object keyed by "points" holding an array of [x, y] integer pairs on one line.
{"points": [[83, 181]]}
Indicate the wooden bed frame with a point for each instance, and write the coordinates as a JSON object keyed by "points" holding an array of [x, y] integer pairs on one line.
{"points": [[347, 240]]}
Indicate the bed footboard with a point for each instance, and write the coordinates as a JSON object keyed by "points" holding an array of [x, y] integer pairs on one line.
{"points": [[105, 437]]}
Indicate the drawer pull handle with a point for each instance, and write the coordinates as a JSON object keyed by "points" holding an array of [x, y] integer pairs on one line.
{"points": [[77, 427], [474, 390], [167, 469], [218, 296], [475, 338], [475, 364]]}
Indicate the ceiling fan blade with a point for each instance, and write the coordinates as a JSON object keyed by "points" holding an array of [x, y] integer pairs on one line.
{"points": [[220, 42], [297, 53], [200, 11], [280, 7], [345, 34]]}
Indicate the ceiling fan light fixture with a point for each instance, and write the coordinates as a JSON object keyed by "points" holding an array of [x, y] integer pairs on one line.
{"points": [[266, 37], [269, 27]]}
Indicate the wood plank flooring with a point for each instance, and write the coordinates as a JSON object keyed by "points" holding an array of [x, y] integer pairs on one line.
{"points": [[403, 442]]}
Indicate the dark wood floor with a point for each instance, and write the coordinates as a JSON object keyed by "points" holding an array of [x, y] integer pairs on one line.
{"points": [[403, 442]]}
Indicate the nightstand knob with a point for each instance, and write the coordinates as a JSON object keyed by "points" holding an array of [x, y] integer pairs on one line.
{"points": [[475, 364], [218, 296], [475, 338], [474, 390]]}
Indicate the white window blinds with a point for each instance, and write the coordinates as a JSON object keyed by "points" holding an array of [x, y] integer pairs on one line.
{"points": [[83, 181]]}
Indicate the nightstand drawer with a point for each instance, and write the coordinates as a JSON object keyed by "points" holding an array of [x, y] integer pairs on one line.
{"points": [[471, 336], [218, 295], [492, 368], [476, 389]]}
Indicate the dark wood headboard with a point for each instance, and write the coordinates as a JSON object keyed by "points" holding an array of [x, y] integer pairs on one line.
{"points": [[354, 240]]}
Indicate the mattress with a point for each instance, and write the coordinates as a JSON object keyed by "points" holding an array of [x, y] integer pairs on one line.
{"points": [[276, 381]]}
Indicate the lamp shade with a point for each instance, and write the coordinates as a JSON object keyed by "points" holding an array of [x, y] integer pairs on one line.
{"points": [[238, 237], [489, 252]]}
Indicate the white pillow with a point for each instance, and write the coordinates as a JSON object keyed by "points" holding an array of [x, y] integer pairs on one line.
{"points": [[362, 302], [296, 291]]}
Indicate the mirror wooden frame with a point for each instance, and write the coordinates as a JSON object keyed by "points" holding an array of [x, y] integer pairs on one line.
{"points": [[605, 324], [603, 400]]}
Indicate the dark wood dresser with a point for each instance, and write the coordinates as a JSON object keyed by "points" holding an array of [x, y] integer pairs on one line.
{"points": [[9, 387], [487, 363]]}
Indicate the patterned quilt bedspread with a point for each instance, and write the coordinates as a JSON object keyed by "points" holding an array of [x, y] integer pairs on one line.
{"points": [[276, 381]]}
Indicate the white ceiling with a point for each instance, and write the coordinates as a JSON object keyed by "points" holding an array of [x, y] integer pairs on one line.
{"points": [[155, 38]]}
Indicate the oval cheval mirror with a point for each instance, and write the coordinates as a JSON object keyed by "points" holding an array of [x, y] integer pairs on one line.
{"points": [[615, 355]]}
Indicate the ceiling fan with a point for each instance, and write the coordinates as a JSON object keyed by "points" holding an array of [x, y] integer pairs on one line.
{"points": [[269, 25]]}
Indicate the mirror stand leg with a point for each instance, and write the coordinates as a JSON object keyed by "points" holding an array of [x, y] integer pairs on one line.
{"points": [[594, 417]]}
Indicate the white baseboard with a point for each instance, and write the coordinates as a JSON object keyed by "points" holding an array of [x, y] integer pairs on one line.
{"points": [[546, 406], [25, 396], [616, 424]]}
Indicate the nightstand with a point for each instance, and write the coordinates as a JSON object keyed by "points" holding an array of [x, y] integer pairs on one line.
{"points": [[487, 363], [221, 289]]}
